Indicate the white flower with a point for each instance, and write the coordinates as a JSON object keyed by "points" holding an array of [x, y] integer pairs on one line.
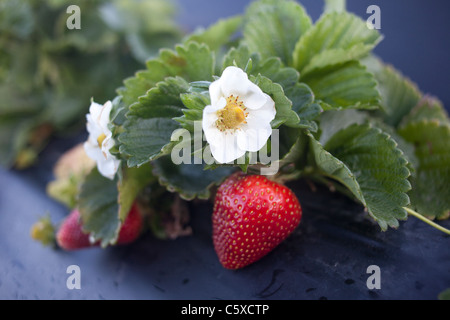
{"points": [[238, 119], [100, 139]]}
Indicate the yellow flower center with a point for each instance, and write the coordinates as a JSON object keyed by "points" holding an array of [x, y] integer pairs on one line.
{"points": [[233, 115], [100, 139]]}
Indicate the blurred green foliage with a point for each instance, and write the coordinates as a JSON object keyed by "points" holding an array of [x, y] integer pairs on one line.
{"points": [[49, 73]]}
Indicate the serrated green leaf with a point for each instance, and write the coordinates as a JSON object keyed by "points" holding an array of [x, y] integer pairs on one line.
{"points": [[272, 68], [273, 27], [334, 168], [118, 112], [399, 95], [332, 121], [195, 103], [162, 101], [99, 208], [348, 85], [146, 139], [430, 195], [367, 161], [405, 146], [239, 57], [136, 86], [189, 180], [335, 39], [147, 132], [336, 56], [293, 146], [218, 34], [133, 182], [303, 103], [191, 61], [285, 115]]}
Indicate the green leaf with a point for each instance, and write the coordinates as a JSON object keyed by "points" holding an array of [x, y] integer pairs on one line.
{"points": [[285, 115], [347, 85], [189, 180], [293, 146], [133, 182], [99, 208], [195, 103], [191, 61], [218, 34], [430, 195], [147, 132], [136, 86], [335, 39], [146, 139], [239, 57], [303, 103], [274, 69], [405, 146], [273, 27], [399, 95], [333, 121], [334, 168], [162, 101], [367, 161]]}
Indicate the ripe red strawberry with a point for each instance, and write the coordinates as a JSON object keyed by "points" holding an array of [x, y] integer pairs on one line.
{"points": [[252, 215], [71, 237]]}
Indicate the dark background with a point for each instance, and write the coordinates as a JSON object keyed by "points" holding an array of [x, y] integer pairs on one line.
{"points": [[327, 256]]}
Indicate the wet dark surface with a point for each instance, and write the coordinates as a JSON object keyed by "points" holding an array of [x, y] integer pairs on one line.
{"points": [[326, 258]]}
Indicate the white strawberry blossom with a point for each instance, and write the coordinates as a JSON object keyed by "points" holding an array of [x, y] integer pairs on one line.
{"points": [[238, 119], [100, 139]]}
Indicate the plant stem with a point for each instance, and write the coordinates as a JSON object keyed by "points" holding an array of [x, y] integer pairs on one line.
{"points": [[428, 221], [335, 5]]}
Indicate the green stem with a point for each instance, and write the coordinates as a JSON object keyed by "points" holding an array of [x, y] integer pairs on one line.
{"points": [[335, 5], [428, 221]]}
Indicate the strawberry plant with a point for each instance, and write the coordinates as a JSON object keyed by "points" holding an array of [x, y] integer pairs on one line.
{"points": [[275, 97]]}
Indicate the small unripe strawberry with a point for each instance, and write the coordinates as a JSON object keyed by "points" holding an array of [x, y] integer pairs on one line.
{"points": [[252, 215], [70, 235]]}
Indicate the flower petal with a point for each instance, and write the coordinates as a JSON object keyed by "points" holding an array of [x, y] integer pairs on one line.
{"points": [[254, 98], [105, 117], [108, 167], [209, 117], [253, 139], [265, 114], [234, 81], [215, 92], [225, 148], [95, 110], [93, 151]]}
